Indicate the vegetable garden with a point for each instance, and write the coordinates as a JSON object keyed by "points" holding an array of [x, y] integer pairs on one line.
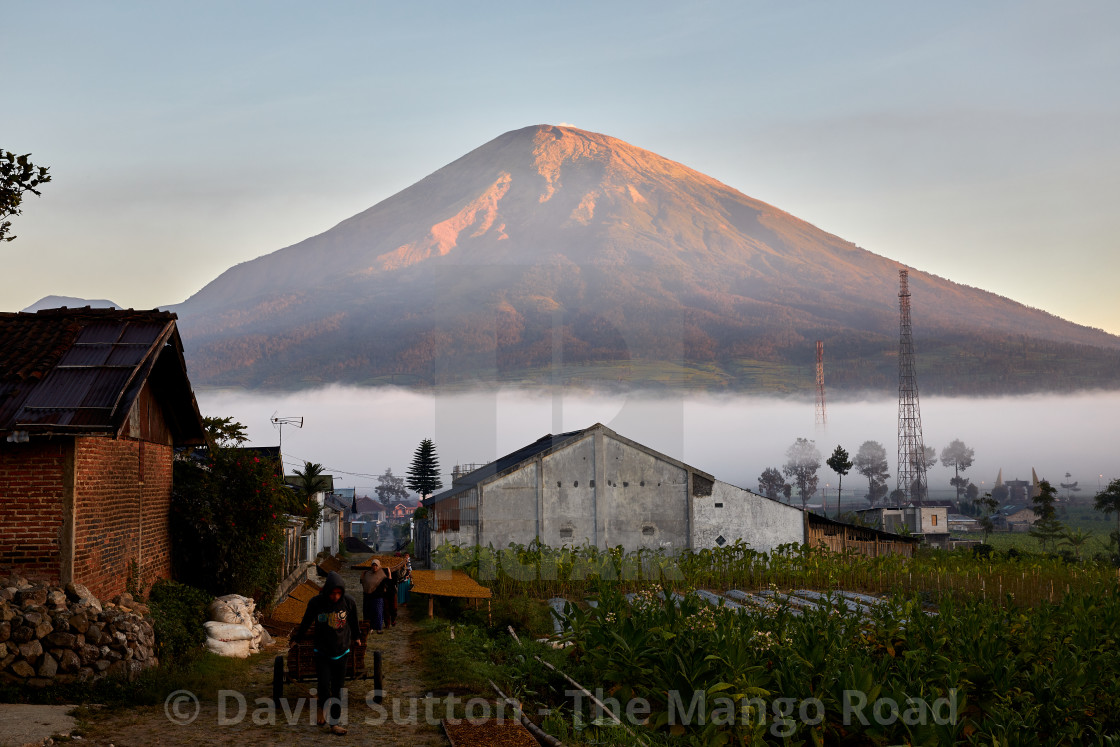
{"points": [[1010, 649], [1005, 579]]}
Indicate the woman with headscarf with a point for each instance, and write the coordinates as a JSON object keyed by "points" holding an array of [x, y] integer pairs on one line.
{"points": [[375, 581]]}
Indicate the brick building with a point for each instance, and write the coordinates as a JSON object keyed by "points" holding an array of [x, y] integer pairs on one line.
{"points": [[92, 404]]}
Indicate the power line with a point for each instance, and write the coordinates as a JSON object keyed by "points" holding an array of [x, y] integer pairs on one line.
{"points": [[334, 469]]}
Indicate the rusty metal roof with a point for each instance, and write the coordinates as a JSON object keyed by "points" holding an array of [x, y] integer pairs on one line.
{"points": [[80, 370]]}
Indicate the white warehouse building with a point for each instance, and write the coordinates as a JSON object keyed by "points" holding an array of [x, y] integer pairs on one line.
{"points": [[596, 487]]}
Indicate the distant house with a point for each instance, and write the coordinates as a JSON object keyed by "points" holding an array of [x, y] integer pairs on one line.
{"points": [[929, 523], [327, 537], [372, 510], [365, 521], [962, 523], [93, 403], [1015, 519], [402, 512]]}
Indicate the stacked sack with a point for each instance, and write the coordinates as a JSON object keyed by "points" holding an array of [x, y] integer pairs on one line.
{"points": [[233, 629]]}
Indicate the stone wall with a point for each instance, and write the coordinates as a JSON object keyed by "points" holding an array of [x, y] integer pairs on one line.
{"points": [[50, 634]]}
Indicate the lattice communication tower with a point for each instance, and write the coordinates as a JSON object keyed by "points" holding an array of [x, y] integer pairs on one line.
{"points": [[821, 413], [911, 446]]}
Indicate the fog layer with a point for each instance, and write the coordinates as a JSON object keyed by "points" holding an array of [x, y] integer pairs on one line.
{"points": [[358, 432]]}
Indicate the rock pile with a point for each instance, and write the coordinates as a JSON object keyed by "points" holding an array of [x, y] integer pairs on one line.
{"points": [[50, 634]]}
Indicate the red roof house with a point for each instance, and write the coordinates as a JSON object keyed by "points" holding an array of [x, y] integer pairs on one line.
{"points": [[92, 405]]}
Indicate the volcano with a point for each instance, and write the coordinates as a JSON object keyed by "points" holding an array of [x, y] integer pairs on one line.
{"points": [[552, 254]]}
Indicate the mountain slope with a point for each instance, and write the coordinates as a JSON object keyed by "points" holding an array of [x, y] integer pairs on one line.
{"points": [[552, 244]]}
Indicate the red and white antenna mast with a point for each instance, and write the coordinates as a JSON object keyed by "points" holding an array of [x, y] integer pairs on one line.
{"points": [[821, 413]]}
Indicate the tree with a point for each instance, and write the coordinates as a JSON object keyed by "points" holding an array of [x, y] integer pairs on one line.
{"points": [[987, 506], [309, 481], [1071, 487], [919, 489], [958, 456], [871, 462], [771, 483], [423, 473], [841, 465], [802, 462], [17, 176], [1046, 528], [390, 488], [224, 432], [1076, 538], [227, 519], [1108, 501]]}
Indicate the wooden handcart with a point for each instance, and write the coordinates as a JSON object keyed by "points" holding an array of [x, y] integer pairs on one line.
{"points": [[301, 664], [301, 657]]}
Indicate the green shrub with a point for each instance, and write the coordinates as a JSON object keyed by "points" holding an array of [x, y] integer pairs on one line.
{"points": [[227, 516], [178, 612]]}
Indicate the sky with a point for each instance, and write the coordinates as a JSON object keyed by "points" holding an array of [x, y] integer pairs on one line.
{"points": [[973, 140]]}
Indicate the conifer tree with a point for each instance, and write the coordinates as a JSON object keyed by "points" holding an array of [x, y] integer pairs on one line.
{"points": [[423, 473], [1046, 528]]}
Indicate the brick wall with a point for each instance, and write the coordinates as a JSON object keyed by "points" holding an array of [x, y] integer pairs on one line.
{"points": [[122, 497], [32, 478]]}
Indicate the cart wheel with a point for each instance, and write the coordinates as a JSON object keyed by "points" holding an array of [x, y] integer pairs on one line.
{"points": [[277, 680], [377, 677]]}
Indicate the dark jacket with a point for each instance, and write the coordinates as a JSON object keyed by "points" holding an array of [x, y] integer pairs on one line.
{"points": [[336, 623]]}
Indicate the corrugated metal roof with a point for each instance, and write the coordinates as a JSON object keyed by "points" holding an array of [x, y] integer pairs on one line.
{"points": [[78, 369], [471, 479]]}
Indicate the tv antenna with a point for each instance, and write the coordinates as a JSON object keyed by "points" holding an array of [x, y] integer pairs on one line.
{"points": [[280, 423]]}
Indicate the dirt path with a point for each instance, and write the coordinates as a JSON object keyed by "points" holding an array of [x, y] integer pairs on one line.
{"points": [[238, 718]]}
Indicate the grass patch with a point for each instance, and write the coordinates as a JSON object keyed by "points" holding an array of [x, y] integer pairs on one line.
{"points": [[482, 648]]}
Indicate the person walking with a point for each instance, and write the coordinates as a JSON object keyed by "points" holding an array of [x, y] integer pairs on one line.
{"points": [[374, 581], [405, 582], [334, 613], [389, 592]]}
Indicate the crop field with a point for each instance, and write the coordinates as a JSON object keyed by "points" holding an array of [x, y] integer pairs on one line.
{"points": [[956, 649], [968, 672], [542, 572]]}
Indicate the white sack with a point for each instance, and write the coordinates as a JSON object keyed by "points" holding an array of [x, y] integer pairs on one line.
{"points": [[236, 649], [221, 631]]}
